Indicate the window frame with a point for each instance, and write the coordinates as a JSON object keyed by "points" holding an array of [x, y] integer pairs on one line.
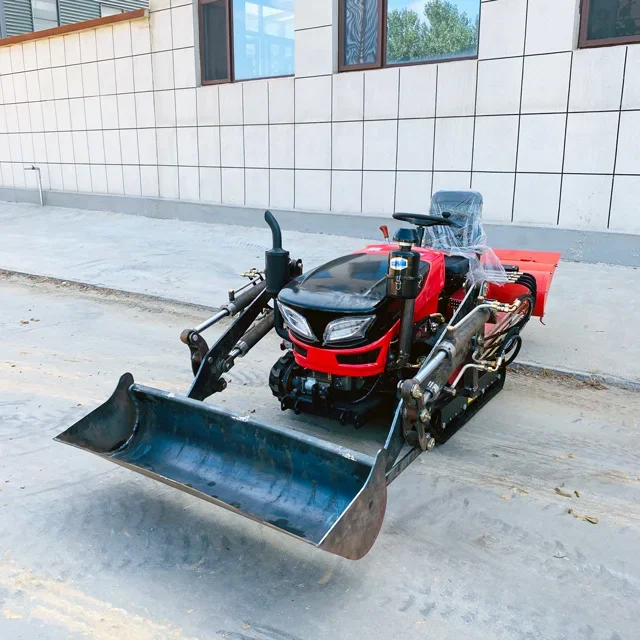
{"points": [[229, 47], [585, 43], [382, 32], [231, 72], [381, 54]]}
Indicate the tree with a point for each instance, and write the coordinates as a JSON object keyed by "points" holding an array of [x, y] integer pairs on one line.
{"points": [[446, 31], [406, 35]]}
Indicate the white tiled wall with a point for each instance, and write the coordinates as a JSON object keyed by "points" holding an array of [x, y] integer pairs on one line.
{"points": [[550, 134]]}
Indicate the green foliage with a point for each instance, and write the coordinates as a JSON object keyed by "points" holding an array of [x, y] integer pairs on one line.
{"points": [[406, 35], [446, 31]]}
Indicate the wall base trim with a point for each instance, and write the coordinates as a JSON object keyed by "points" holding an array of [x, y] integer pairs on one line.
{"points": [[577, 245]]}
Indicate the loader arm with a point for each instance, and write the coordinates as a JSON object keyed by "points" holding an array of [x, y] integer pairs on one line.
{"points": [[209, 379], [242, 335]]}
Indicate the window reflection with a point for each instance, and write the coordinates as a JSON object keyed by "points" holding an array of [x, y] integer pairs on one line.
{"points": [[263, 38], [423, 30]]}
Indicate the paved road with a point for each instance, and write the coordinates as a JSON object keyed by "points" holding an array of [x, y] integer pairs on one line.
{"points": [[591, 315], [476, 543]]}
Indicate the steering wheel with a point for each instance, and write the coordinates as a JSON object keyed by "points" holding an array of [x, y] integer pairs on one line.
{"points": [[426, 220]]}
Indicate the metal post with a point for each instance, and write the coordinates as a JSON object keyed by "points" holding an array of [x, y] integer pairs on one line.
{"points": [[37, 169]]}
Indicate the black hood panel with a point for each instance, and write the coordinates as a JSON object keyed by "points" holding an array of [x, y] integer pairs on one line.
{"points": [[351, 284]]}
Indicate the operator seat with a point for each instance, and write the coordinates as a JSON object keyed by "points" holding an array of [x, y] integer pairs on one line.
{"points": [[464, 237]]}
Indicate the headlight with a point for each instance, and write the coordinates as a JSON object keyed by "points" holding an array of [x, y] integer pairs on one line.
{"points": [[296, 322], [347, 329]]}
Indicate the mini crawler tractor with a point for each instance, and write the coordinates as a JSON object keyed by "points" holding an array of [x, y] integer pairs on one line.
{"points": [[423, 327]]}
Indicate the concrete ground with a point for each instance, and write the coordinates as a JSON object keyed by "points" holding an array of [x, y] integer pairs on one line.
{"points": [[477, 541], [590, 322]]}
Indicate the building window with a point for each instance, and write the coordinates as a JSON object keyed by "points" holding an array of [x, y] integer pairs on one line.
{"points": [[607, 22], [44, 14], [378, 33], [244, 40], [108, 10]]}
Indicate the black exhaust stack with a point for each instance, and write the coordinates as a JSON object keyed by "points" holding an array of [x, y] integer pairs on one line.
{"points": [[276, 258], [277, 266], [403, 282]]}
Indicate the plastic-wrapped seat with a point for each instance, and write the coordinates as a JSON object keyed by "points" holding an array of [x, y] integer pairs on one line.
{"points": [[464, 237]]}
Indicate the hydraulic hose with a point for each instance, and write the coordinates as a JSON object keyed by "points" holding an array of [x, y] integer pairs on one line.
{"points": [[241, 302]]}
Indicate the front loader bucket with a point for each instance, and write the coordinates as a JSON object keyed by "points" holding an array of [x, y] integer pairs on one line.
{"points": [[324, 494]]}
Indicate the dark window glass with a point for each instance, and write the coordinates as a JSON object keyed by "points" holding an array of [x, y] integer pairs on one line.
{"points": [[361, 31], [613, 19], [262, 39], [215, 48], [431, 30]]}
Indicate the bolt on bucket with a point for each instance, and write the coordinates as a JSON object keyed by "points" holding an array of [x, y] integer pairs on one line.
{"points": [[324, 494]]}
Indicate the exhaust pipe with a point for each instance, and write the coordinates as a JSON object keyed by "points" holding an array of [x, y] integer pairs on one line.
{"points": [[403, 283]]}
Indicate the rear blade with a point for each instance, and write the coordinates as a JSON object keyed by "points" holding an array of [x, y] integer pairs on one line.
{"points": [[324, 494]]}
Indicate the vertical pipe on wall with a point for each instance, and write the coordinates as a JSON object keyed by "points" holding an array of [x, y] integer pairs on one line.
{"points": [[37, 170]]}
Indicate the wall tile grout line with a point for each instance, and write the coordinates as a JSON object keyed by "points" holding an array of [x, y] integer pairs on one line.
{"points": [[244, 151], [515, 175], [435, 113], [13, 178], [364, 88], [73, 151], [284, 168], [267, 85], [475, 121], [615, 156], [155, 114], [175, 109], [564, 144], [488, 115], [331, 147], [81, 64], [22, 145], [295, 191], [135, 115], [118, 116], [220, 145], [197, 131], [395, 185], [152, 52], [133, 55], [84, 111], [55, 113], [319, 26]]}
